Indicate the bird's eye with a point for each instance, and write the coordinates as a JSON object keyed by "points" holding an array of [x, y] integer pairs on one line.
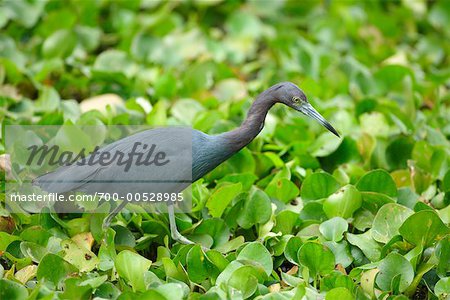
{"points": [[296, 99]]}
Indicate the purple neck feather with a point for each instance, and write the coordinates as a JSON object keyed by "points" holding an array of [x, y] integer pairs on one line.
{"points": [[253, 124]]}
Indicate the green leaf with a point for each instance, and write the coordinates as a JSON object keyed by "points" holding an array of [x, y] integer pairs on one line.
{"points": [[198, 267], [6, 239], [132, 267], [246, 179], [366, 243], [185, 110], [48, 100], [244, 281], [12, 290], [318, 186], [282, 189], [215, 228], [317, 258], [334, 229], [341, 252], [221, 197], [107, 290], [378, 181], [171, 290], [443, 254], [54, 269], [392, 266], [34, 251], [259, 254], [115, 62], [324, 145], [340, 293], [123, 236], [82, 258], [24, 12], [107, 251], [231, 245], [88, 37], [343, 203], [285, 221], [60, 44], [442, 288], [73, 290], [388, 220], [368, 281], [313, 211], [291, 250], [399, 151], [257, 209], [423, 228]]}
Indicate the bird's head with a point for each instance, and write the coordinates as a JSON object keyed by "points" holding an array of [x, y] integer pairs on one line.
{"points": [[292, 96]]}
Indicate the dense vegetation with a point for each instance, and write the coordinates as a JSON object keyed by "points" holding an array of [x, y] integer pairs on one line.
{"points": [[296, 214]]}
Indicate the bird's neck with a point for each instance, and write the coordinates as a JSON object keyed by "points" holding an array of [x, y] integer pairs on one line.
{"points": [[253, 124]]}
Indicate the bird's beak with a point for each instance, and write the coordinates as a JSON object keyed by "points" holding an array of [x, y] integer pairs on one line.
{"points": [[308, 110]]}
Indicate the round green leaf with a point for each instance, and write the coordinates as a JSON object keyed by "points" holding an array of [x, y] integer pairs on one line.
{"points": [[282, 189], [388, 220], [291, 250], [221, 197], [285, 221], [378, 181], [6, 239], [12, 290], [115, 62], [423, 228], [365, 242], [197, 266], [340, 293], [132, 267], [317, 258], [81, 257], [442, 288], [60, 44], [185, 110], [54, 268], [172, 290], [368, 281], [257, 210], [244, 280], [215, 228], [258, 253], [123, 236], [333, 229], [324, 145], [318, 186], [343, 203], [392, 267], [341, 252], [106, 290], [399, 151]]}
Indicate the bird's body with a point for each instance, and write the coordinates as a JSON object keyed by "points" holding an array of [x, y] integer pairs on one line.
{"points": [[206, 153]]}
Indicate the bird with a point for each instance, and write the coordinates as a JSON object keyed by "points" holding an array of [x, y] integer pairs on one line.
{"points": [[207, 152]]}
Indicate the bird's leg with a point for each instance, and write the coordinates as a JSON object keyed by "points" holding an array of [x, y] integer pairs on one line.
{"points": [[176, 235], [110, 217]]}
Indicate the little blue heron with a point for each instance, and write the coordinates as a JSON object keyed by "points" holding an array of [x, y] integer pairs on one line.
{"points": [[208, 151]]}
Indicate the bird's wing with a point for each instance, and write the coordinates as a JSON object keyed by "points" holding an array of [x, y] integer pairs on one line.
{"points": [[174, 176]]}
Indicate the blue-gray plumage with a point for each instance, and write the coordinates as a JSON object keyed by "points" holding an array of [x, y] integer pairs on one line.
{"points": [[208, 151]]}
